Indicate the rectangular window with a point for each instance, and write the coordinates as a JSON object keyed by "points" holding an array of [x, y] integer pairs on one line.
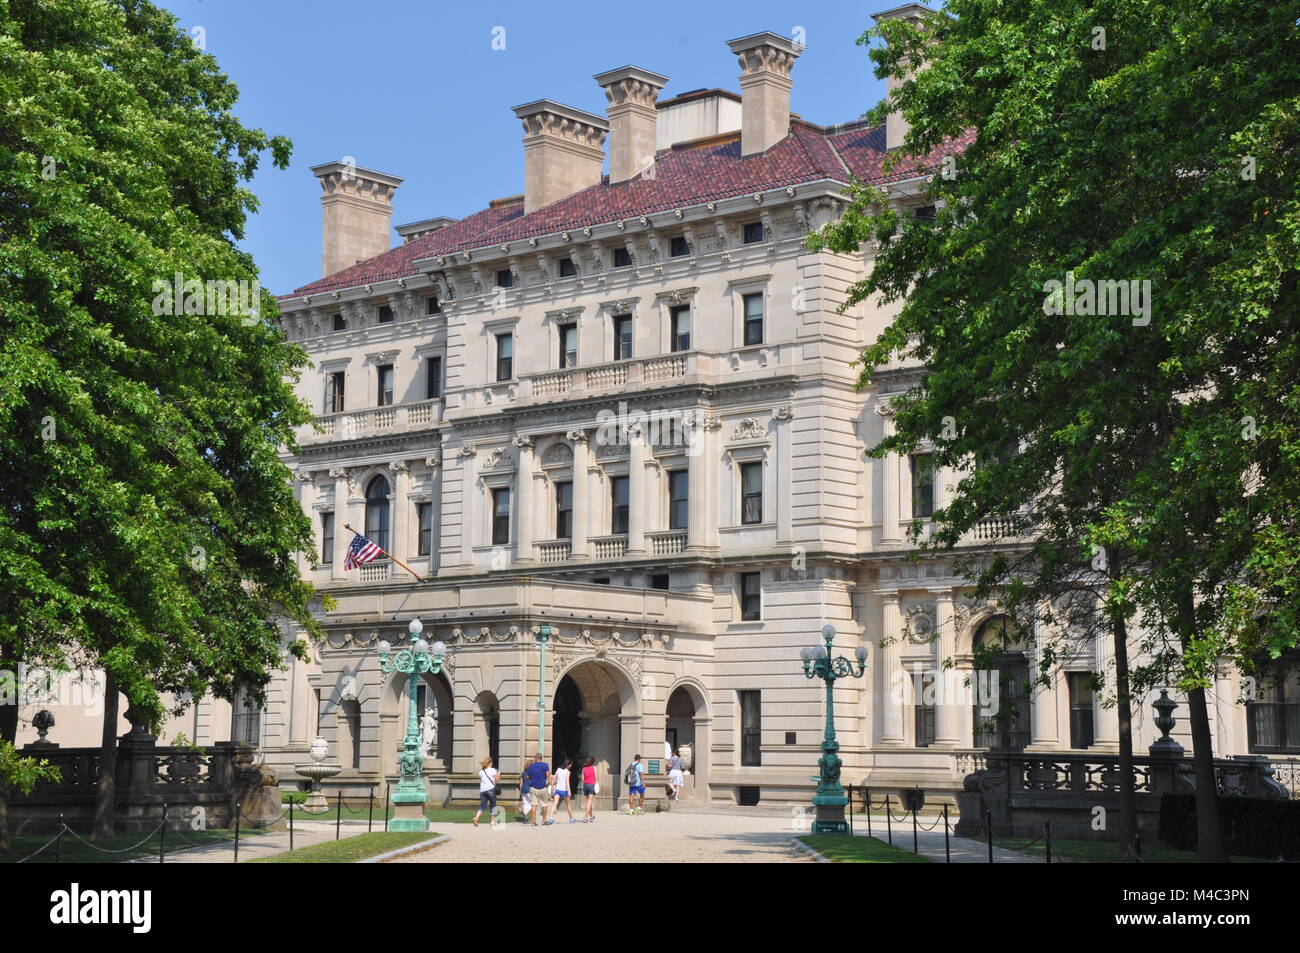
{"points": [[753, 232], [385, 375], [678, 247], [505, 357], [619, 508], [680, 319], [751, 493], [924, 709], [567, 268], [924, 213], [622, 337], [661, 580], [922, 485], [751, 728], [568, 345], [1081, 709], [385, 314], [751, 596], [340, 323], [505, 278], [334, 393], [501, 516], [678, 499], [327, 538], [621, 258], [564, 510], [753, 318], [432, 378], [424, 520], [431, 305], [318, 712]]}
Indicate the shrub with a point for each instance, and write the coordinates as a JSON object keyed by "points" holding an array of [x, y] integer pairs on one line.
{"points": [[1252, 827]]}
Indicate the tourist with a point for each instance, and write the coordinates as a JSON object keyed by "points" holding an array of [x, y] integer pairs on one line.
{"points": [[525, 788], [538, 775], [635, 780], [488, 789], [589, 790], [676, 776], [563, 791]]}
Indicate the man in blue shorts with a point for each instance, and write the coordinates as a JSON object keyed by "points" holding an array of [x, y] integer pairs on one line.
{"points": [[636, 786]]}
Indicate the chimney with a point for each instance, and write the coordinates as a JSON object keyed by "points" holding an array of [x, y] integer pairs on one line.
{"points": [[766, 60], [896, 127], [564, 151], [358, 214], [631, 92]]}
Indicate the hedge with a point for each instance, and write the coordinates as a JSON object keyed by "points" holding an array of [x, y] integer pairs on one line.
{"points": [[1252, 827]]}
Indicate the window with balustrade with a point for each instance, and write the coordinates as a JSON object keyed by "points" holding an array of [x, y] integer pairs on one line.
{"points": [[568, 334], [679, 502], [564, 509], [432, 378], [1002, 686], [1273, 713], [622, 337], [334, 392], [1081, 697], [384, 375], [501, 516], [680, 321], [378, 508], [620, 508]]}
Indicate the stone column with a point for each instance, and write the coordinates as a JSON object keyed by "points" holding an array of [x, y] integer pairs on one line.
{"points": [[1105, 719], [698, 505], [307, 500], [890, 669], [783, 434], [398, 512], [469, 504], [584, 502], [637, 491], [1045, 731], [948, 700], [355, 517], [526, 521], [889, 532], [342, 538]]}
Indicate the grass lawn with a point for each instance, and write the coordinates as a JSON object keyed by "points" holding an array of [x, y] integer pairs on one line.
{"points": [[351, 812], [1106, 852], [349, 849], [860, 850], [124, 846]]}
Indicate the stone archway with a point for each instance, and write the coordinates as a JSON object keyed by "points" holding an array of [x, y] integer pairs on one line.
{"points": [[596, 709], [434, 691], [688, 723]]}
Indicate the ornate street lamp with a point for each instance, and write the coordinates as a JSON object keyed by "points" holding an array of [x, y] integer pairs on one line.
{"points": [[543, 637], [830, 799], [411, 794]]}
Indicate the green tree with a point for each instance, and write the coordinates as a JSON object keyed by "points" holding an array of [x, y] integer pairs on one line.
{"points": [[148, 524], [1122, 141]]}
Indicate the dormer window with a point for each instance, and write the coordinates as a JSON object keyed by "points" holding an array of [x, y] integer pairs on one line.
{"points": [[505, 278], [431, 305], [924, 213], [340, 323], [678, 247], [753, 233], [385, 314], [567, 269], [621, 258]]}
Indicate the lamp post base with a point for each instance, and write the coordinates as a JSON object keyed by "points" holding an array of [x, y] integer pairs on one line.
{"points": [[408, 816], [830, 814]]}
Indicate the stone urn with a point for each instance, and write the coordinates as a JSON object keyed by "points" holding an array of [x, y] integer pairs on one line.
{"points": [[688, 757], [316, 771]]}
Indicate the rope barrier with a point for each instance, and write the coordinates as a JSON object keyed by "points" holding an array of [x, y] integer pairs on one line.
{"points": [[110, 850], [38, 850]]}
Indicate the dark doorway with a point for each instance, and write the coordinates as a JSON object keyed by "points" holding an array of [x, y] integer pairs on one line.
{"points": [[566, 729]]}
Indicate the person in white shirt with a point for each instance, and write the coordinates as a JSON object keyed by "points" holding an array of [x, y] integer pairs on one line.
{"points": [[563, 791], [488, 777]]}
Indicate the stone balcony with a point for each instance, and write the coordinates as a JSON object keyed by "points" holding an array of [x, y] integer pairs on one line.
{"points": [[393, 418]]}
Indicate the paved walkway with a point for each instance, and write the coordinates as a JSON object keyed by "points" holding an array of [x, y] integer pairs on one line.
{"points": [[251, 845], [677, 837], [964, 849]]}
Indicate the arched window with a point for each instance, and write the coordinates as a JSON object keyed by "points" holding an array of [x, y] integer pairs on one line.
{"points": [[377, 512], [1002, 686]]}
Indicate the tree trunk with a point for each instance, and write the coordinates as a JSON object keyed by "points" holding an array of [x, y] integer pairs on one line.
{"points": [[106, 791], [9, 733], [1209, 835], [1127, 827]]}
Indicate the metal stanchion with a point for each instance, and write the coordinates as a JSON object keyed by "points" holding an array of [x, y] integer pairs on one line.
{"points": [[162, 837], [947, 848], [338, 814], [988, 828], [916, 849], [370, 811], [388, 788], [292, 806], [58, 843], [849, 789], [889, 821], [866, 802], [239, 810]]}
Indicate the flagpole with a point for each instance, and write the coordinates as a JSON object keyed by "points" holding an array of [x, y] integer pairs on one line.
{"points": [[386, 553]]}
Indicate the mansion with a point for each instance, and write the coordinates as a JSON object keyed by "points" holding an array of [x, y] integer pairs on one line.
{"points": [[624, 405]]}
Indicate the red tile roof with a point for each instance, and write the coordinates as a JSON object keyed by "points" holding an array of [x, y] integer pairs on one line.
{"points": [[709, 170]]}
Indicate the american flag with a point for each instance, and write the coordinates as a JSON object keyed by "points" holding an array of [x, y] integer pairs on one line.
{"points": [[361, 551]]}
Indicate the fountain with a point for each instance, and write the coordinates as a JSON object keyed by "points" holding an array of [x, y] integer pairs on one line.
{"points": [[317, 771]]}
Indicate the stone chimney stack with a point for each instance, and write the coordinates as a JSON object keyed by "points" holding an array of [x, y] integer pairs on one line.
{"points": [[896, 127], [631, 92], [766, 61], [564, 151], [358, 214]]}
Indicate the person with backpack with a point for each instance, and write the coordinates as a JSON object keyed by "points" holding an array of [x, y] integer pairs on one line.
{"points": [[563, 791], [489, 789], [589, 790], [634, 778]]}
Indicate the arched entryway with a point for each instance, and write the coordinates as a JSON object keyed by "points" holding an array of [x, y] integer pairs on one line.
{"points": [[1002, 686], [687, 730], [596, 713], [434, 716]]}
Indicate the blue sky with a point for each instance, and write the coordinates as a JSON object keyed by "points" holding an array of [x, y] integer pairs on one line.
{"points": [[416, 89]]}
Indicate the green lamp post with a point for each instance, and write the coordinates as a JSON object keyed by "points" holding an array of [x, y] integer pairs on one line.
{"points": [[411, 794], [830, 800], [543, 637]]}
